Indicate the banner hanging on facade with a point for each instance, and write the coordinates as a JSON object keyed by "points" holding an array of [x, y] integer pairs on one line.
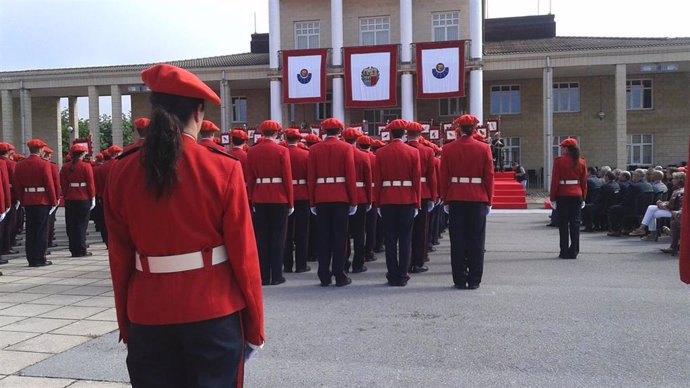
{"points": [[304, 76], [371, 76], [441, 69]]}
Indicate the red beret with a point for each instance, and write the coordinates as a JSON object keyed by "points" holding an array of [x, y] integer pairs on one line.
{"points": [[36, 143], [80, 148], [270, 125], [364, 140], [332, 123], [351, 134], [68, 158], [4, 147], [17, 156], [413, 126], [47, 150], [396, 124], [114, 149], [208, 126], [302, 145], [378, 143], [569, 142], [239, 134], [478, 136], [312, 139], [142, 123], [176, 81], [466, 120], [99, 156], [292, 133]]}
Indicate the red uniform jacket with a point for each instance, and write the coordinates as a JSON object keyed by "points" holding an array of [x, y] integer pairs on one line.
{"points": [[35, 182], [269, 164], [137, 144], [5, 181], [77, 181], [299, 160], [685, 227], [437, 168], [372, 162], [429, 177], [364, 177], [397, 175], [56, 179], [100, 176], [461, 161], [11, 166], [241, 155], [329, 162], [208, 208], [213, 144], [564, 177]]}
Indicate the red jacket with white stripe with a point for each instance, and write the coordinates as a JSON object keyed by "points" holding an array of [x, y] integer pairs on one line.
{"points": [[331, 173], [397, 175], [269, 174], [467, 171]]}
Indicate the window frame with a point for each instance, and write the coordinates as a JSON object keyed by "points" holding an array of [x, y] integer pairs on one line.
{"points": [[447, 101], [316, 25], [506, 148], [246, 109], [641, 145], [510, 104], [328, 105], [628, 94], [569, 87], [375, 31], [445, 26]]}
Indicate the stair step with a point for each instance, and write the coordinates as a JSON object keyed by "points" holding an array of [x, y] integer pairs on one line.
{"points": [[500, 205]]}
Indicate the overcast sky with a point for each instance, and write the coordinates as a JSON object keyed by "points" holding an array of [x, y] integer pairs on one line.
{"points": [[40, 34]]}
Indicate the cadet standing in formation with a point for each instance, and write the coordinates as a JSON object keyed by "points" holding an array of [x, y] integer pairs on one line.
{"points": [[297, 241], [9, 223], [467, 187], [208, 134], [48, 156], [79, 190], [239, 140], [364, 144]]}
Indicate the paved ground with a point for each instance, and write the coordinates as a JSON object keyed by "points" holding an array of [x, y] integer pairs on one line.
{"points": [[617, 316]]}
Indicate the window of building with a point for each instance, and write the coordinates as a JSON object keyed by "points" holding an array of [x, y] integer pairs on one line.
{"points": [[638, 94], [566, 97], [449, 107], [505, 100], [375, 31], [511, 150], [307, 35], [641, 149], [239, 109], [557, 144], [375, 117], [446, 26], [324, 110]]}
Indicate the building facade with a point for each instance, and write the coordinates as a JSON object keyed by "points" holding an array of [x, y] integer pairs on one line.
{"points": [[625, 99]]}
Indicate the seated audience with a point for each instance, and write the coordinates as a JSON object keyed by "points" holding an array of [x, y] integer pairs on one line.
{"points": [[639, 194], [662, 209]]}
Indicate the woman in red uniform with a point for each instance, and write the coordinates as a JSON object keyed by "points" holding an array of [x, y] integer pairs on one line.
{"points": [[76, 180], [182, 252], [568, 187]]}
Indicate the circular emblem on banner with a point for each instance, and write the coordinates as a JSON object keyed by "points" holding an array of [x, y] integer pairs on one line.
{"points": [[440, 71], [370, 76], [304, 76]]}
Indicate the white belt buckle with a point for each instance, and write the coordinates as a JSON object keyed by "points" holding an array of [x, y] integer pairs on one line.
{"points": [[454, 179], [396, 183], [320, 180], [464, 180], [265, 180], [407, 183], [183, 262], [276, 180], [360, 184], [423, 179], [476, 180], [386, 184], [330, 180], [340, 179]]}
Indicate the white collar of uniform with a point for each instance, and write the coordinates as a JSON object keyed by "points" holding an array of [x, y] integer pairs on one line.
{"points": [[237, 147], [398, 139], [190, 136]]}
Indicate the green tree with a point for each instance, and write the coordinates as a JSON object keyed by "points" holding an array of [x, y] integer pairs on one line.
{"points": [[106, 129]]}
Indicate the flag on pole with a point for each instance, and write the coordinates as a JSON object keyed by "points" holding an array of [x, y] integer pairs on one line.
{"points": [[304, 76], [441, 69], [371, 76]]}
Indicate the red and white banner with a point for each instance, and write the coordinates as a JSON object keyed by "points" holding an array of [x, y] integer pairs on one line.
{"points": [[304, 76], [441, 69], [371, 76]]}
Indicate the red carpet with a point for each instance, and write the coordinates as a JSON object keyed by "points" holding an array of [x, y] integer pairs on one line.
{"points": [[508, 193]]}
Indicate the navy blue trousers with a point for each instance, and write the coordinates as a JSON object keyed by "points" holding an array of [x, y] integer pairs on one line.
{"points": [[297, 241], [569, 218], [467, 229], [332, 226], [397, 227], [270, 228], [36, 233]]}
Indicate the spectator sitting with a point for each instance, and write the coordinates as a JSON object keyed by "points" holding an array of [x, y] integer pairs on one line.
{"points": [[624, 182], [628, 207], [662, 209], [602, 171], [520, 174], [654, 177], [608, 196], [668, 178], [674, 232]]}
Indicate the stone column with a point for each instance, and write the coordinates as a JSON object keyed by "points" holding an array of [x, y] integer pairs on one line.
{"points": [[73, 118], [274, 48], [548, 122], [338, 91], [94, 119], [7, 117], [116, 102], [406, 87], [26, 118], [225, 105], [476, 75], [621, 117]]}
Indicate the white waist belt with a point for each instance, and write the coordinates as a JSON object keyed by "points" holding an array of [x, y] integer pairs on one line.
{"points": [[570, 182], [396, 183], [465, 179], [269, 180], [34, 189], [359, 184], [299, 181], [331, 179], [77, 184], [422, 179], [180, 263]]}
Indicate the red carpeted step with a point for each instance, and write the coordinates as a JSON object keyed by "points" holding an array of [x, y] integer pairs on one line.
{"points": [[501, 205], [508, 193]]}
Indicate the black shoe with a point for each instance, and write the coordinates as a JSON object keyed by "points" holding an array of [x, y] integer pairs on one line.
{"points": [[461, 286], [359, 270], [431, 249], [279, 281], [87, 254], [344, 283], [587, 230], [326, 284], [287, 270], [435, 242], [10, 252], [305, 269], [397, 283], [551, 224], [3, 261], [52, 245], [472, 286], [47, 262], [378, 250], [48, 253], [265, 283], [566, 256], [421, 269], [369, 259]]}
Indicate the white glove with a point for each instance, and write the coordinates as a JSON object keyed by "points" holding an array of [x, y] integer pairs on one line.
{"points": [[290, 211], [353, 210], [488, 209], [52, 210], [553, 205], [249, 350], [93, 203], [253, 209], [378, 211], [430, 206], [312, 210], [446, 209], [438, 201], [416, 212], [2, 216], [369, 208], [16, 205], [582, 206]]}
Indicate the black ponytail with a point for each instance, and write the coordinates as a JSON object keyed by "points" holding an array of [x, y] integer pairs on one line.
{"points": [[467, 129], [574, 153], [75, 159], [163, 146]]}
